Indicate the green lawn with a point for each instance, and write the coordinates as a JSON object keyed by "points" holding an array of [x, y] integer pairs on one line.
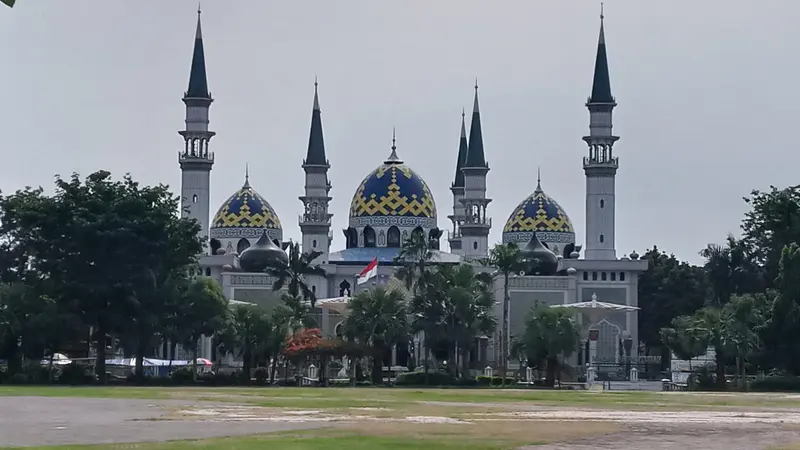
{"points": [[346, 442], [364, 397]]}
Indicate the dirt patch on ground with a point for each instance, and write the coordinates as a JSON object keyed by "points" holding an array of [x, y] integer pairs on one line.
{"points": [[513, 431]]}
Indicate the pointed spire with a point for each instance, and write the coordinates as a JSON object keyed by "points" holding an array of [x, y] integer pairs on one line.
{"points": [[475, 156], [393, 158], [538, 178], [246, 184], [198, 81], [601, 85], [316, 142], [462, 152]]}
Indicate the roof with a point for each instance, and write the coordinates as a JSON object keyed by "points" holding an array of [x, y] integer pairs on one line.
{"points": [[198, 80], [539, 213], [475, 154], [601, 84], [316, 142]]}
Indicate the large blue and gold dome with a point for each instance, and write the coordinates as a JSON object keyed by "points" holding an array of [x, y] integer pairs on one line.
{"points": [[393, 194], [541, 214], [245, 214]]}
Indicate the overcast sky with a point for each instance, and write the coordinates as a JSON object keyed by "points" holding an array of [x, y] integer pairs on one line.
{"points": [[707, 91]]}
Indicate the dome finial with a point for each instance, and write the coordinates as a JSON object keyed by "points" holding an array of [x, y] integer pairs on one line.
{"points": [[602, 16], [393, 158], [246, 176], [538, 178]]}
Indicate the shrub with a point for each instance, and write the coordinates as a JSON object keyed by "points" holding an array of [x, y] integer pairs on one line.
{"points": [[261, 374], [781, 383], [222, 379], [74, 374], [182, 376], [493, 381], [418, 379]]}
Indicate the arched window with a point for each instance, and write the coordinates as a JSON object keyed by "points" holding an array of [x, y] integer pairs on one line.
{"points": [[369, 237], [475, 245], [314, 243], [418, 232], [194, 198], [351, 237], [344, 289], [243, 245], [603, 276], [602, 203], [313, 289], [208, 271], [602, 238], [393, 237]]}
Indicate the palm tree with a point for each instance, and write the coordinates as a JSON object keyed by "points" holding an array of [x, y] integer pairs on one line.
{"points": [[468, 303], [293, 274], [507, 259], [378, 319], [9, 3], [247, 334], [550, 333], [413, 260]]}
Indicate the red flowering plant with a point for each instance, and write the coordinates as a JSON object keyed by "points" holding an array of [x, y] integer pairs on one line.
{"points": [[308, 342]]}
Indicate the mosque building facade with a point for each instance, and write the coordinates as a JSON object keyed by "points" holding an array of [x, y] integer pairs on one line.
{"points": [[393, 202]]}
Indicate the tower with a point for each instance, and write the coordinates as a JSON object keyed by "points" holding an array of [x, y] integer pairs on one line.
{"points": [[476, 226], [457, 188], [195, 159], [315, 222], [600, 166]]}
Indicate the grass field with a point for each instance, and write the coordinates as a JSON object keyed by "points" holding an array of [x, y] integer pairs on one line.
{"points": [[382, 418]]}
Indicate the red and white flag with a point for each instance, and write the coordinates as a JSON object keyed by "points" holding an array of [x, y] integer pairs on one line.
{"points": [[369, 272]]}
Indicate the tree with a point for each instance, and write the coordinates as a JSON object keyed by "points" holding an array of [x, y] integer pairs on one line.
{"points": [[9, 3], [783, 322], [413, 259], [206, 312], [468, 301], [377, 318], [683, 339], [729, 270], [772, 224], [668, 289], [92, 241], [550, 333], [507, 259], [248, 335], [293, 274]]}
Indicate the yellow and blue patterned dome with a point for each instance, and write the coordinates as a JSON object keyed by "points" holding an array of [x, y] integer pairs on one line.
{"points": [[541, 214], [393, 194], [246, 214]]}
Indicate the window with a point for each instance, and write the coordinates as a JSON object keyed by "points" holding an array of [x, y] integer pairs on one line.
{"points": [[602, 238], [613, 276], [314, 243], [622, 276], [594, 276], [313, 289], [602, 203], [393, 237], [475, 245], [243, 245], [585, 276], [194, 198], [369, 237], [603, 276], [208, 271]]}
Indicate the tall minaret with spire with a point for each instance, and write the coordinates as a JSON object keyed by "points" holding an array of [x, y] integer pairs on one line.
{"points": [[196, 159], [600, 165], [315, 222], [457, 188], [476, 226]]}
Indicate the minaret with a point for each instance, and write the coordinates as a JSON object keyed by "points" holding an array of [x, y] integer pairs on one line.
{"points": [[315, 222], [195, 159], [600, 166], [457, 188], [476, 226]]}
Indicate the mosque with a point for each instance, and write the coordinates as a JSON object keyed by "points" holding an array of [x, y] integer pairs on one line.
{"points": [[393, 202]]}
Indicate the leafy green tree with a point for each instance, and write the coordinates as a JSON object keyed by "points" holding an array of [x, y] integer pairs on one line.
{"points": [[248, 335], [507, 259], [293, 274], [772, 224], [783, 323], [413, 259], [428, 313], [468, 301], [206, 313], [92, 241], [377, 318], [9, 3], [730, 270], [683, 339], [550, 334], [668, 289]]}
